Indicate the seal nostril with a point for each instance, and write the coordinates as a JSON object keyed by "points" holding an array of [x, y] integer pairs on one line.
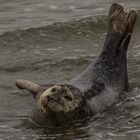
{"points": [[49, 98], [68, 98]]}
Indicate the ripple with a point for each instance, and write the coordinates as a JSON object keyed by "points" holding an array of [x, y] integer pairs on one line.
{"points": [[53, 7], [52, 49], [72, 7], [28, 9]]}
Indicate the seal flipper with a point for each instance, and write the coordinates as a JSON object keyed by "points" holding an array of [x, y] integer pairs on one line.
{"points": [[109, 68], [30, 86], [125, 43], [124, 74]]}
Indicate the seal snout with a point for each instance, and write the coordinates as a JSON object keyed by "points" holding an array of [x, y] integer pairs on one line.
{"points": [[59, 94]]}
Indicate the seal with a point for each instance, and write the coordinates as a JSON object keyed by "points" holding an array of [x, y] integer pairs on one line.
{"points": [[98, 86]]}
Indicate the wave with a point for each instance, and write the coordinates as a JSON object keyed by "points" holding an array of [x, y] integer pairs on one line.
{"points": [[83, 26], [44, 65], [88, 27]]}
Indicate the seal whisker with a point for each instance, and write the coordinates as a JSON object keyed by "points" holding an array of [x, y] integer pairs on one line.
{"points": [[70, 115], [62, 118]]}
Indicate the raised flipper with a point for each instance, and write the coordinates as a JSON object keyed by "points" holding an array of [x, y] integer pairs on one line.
{"points": [[120, 20], [124, 74], [111, 65], [30, 86]]}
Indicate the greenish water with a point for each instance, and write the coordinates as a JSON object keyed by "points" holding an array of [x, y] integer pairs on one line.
{"points": [[55, 53]]}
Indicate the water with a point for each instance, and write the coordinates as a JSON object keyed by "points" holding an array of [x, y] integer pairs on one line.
{"points": [[34, 47]]}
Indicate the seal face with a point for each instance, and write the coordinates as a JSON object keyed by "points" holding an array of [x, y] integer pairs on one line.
{"points": [[59, 99]]}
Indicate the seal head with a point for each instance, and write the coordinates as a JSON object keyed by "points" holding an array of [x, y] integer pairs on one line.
{"points": [[59, 99]]}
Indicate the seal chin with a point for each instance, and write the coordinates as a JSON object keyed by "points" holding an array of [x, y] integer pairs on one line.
{"points": [[56, 107]]}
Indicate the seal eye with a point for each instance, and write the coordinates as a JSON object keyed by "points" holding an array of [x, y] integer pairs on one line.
{"points": [[53, 90], [68, 98]]}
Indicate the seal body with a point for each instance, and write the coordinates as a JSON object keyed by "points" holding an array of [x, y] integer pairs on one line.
{"points": [[103, 81], [98, 86]]}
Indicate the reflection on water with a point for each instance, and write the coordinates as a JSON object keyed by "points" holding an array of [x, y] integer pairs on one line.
{"points": [[56, 53]]}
